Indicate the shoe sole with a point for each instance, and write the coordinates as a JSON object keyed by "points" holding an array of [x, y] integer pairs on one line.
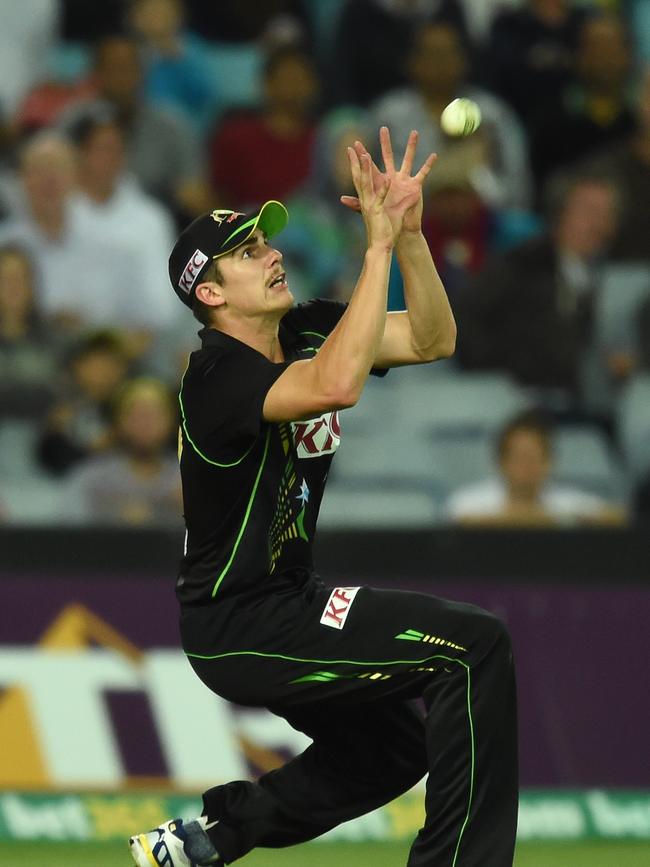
{"points": [[141, 852]]}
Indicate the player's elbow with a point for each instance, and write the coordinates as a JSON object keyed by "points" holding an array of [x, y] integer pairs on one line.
{"points": [[447, 341], [343, 396], [443, 346], [447, 346]]}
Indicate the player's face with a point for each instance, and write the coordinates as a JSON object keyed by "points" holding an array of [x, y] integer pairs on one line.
{"points": [[254, 280]]}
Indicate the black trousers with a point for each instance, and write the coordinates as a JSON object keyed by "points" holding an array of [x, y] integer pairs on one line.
{"points": [[345, 669]]}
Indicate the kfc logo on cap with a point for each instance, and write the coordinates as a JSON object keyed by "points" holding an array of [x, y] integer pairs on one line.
{"points": [[189, 275]]}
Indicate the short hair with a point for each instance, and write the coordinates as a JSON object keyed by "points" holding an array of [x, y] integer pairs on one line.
{"points": [[103, 340], [108, 39], [562, 185], [44, 140], [82, 128], [201, 311], [603, 16], [531, 420], [279, 55], [143, 385]]}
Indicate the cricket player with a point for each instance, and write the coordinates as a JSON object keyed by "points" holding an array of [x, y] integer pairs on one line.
{"points": [[259, 427]]}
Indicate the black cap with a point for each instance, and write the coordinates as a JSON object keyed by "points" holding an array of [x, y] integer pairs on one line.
{"points": [[213, 235]]}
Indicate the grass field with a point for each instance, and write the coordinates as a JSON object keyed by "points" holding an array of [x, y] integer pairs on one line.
{"points": [[330, 855]]}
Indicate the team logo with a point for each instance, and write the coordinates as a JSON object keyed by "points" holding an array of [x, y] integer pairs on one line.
{"points": [[338, 606], [191, 271], [219, 216], [318, 436]]}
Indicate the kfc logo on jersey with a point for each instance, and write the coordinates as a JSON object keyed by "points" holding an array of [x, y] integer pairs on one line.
{"points": [[338, 606], [191, 271], [318, 436]]}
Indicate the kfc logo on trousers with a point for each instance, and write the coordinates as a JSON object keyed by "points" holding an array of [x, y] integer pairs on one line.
{"points": [[338, 606]]}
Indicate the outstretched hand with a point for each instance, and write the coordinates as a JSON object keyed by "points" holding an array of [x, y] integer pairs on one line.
{"points": [[371, 200], [403, 203]]}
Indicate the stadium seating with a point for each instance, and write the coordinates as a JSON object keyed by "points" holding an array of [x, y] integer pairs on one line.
{"points": [[17, 440], [623, 288], [471, 403], [584, 459], [27, 495], [348, 505], [435, 398], [634, 425]]}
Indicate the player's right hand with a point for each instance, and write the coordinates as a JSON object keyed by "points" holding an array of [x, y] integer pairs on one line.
{"points": [[380, 229]]}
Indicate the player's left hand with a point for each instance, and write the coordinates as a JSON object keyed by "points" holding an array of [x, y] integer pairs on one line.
{"points": [[405, 189]]}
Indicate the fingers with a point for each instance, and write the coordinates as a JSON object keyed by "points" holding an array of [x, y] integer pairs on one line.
{"points": [[386, 150], [361, 173], [383, 192], [355, 169], [377, 176], [351, 202], [366, 176], [426, 168], [409, 153]]}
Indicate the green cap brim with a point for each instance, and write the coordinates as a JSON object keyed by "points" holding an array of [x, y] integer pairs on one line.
{"points": [[271, 219]]}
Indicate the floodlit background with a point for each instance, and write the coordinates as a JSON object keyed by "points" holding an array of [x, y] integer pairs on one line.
{"points": [[515, 474]]}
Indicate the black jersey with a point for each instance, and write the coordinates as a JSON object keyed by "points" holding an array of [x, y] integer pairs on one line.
{"points": [[251, 489]]}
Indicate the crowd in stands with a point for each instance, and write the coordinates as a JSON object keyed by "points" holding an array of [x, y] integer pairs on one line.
{"points": [[121, 121]]}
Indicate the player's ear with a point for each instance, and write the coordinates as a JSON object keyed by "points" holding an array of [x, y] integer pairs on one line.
{"points": [[211, 294]]}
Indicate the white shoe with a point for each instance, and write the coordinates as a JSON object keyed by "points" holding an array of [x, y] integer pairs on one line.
{"points": [[162, 847]]}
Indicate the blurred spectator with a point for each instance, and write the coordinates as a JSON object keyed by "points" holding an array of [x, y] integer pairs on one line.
{"points": [[528, 59], [456, 223], [640, 15], [643, 320], [88, 22], [374, 37], [528, 313], [437, 67], [82, 279], [232, 21], [462, 230], [628, 162], [176, 63], [28, 357], [137, 482], [79, 424], [480, 14], [266, 154], [523, 494], [111, 205], [46, 102], [594, 111], [163, 153], [27, 36]]}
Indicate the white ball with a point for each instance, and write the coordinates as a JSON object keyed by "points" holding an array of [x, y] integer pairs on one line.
{"points": [[461, 117]]}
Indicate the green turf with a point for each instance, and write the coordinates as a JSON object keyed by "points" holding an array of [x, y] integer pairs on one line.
{"points": [[330, 855]]}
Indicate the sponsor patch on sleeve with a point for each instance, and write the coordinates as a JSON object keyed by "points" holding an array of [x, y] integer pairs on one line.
{"points": [[338, 606]]}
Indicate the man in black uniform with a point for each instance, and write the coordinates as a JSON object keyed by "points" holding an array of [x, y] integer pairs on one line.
{"points": [[259, 406]]}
